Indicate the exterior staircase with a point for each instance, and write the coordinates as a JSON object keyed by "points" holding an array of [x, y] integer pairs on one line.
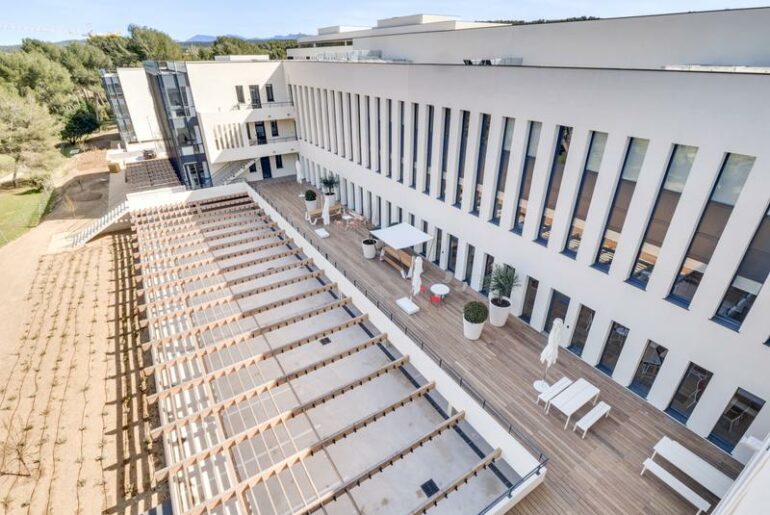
{"points": [[85, 235], [231, 172]]}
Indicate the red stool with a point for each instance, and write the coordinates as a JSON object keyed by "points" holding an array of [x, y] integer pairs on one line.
{"points": [[435, 299]]}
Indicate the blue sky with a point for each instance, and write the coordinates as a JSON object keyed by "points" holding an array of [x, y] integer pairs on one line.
{"points": [[55, 20]]}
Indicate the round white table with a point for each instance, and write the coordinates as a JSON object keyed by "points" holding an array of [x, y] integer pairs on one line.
{"points": [[440, 289]]}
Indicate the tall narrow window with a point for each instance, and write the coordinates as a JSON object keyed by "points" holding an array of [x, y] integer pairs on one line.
{"points": [[379, 136], [612, 348], [736, 419], [502, 170], [582, 328], [274, 128], [563, 140], [479, 180], [254, 96], [368, 132], [452, 260], [444, 152], [279, 161], [585, 192], [648, 368], [557, 309], [239, 95], [529, 299], [429, 151], [358, 125], [713, 220], [415, 124], [689, 393], [389, 113], [401, 128], [350, 124], [424, 246], [269, 92], [333, 109], [469, 264], [525, 184], [437, 259], [465, 121], [748, 280], [489, 266], [637, 148], [673, 183]]}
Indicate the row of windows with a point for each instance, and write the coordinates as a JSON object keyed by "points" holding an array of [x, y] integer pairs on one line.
{"points": [[255, 99], [736, 418], [355, 143]]}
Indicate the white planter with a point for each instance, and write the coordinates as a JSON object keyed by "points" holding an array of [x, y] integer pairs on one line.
{"points": [[311, 204], [370, 250], [498, 315], [472, 331]]}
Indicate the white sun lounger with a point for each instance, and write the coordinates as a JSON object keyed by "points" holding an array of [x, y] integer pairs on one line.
{"points": [[589, 419], [553, 390]]}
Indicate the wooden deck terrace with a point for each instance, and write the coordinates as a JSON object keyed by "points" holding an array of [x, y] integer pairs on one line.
{"points": [[598, 474]]}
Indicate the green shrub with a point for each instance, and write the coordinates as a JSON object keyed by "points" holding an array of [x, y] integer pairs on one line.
{"points": [[329, 183], [310, 195], [475, 312]]}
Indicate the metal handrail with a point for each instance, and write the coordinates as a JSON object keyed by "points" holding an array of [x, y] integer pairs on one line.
{"points": [[464, 384], [261, 105]]}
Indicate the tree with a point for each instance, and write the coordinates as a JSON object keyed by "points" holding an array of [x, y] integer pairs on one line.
{"points": [[228, 45], [147, 43], [27, 133], [80, 123], [116, 48], [34, 73]]}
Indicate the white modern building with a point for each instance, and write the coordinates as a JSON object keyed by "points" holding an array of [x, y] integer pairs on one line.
{"points": [[621, 166]]}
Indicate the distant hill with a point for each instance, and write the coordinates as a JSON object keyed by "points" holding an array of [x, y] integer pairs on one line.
{"points": [[205, 39], [201, 38]]}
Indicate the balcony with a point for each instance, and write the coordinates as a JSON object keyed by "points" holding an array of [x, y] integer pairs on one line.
{"points": [[262, 105], [254, 150]]}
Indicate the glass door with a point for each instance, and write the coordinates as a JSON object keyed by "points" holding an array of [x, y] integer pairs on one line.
{"points": [[612, 349], [689, 393]]}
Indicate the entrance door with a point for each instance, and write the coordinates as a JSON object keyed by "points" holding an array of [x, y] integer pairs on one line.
{"points": [[264, 162]]}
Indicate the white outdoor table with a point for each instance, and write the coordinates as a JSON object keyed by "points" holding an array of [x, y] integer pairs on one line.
{"points": [[694, 466], [577, 395], [440, 289]]}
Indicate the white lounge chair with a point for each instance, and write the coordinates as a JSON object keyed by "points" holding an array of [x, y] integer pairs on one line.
{"points": [[553, 390], [676, 485], [406, 304], [589, 419]]}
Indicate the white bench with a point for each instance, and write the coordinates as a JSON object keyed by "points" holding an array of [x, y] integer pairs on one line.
{"points": [[406, 304], [589, 419], [322, 233], [708, 476], [553, 390], [676, 485]]}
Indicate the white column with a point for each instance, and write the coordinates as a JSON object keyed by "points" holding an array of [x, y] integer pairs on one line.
{"points": [[628, 362], [540, 179], [491, 167], [515, 168]]}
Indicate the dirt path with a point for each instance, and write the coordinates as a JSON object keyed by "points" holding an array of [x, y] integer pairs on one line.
{"points": [[73, 421]]}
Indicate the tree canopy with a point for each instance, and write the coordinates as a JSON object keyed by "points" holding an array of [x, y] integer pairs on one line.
{"points": [[230, 45], [80, 123], [33, 73], [147, 43]]}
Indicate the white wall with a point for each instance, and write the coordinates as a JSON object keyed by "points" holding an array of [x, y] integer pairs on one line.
{"points": [[213, 83], [141, 108], [716, 112]]}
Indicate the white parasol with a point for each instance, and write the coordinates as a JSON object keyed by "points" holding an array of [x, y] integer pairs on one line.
{"points": [[551, 352], [416, 276]]}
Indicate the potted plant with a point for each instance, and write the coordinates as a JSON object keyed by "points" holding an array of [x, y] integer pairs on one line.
{"points": [[369, 245], [500, 283], [329, 184], [474, 315], [311, 201]]}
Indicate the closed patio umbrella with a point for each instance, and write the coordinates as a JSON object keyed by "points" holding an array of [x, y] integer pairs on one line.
{"points": [[325, 213], [550, 353], [416, 276], [298, 167]]}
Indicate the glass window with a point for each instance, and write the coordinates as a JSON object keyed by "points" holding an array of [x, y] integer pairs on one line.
{"points": [[401, 141], [489, 265], [585, 192], [713, 220], [748, 280], [469, 264], [368, 132], [269, 92], [358, 126], [389, 115], [274, 129], [690, 391], [437, 259], [452, 260], [429, 151], [612, 348], [736, 419], [239, 95], [526, 176], [465, 121], [379, 135], [648, 368], [254, 96], [582, 328], [502, 170], [424, 246], [416, 120], [554, 183], [529, 299], [637, 148], [444, 152], [673, 183], [557, 309], [279, 161], [482, 157]]}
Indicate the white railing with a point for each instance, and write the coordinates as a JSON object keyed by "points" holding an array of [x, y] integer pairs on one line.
{"points": [[82, 237], [231, 172]]}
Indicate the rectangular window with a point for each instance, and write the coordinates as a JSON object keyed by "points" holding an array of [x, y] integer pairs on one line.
{"points": [[452, 260], [274, 129], [350, 124], [529, 299], [525, 184], [437, 259], [465, 122], [415, 119], [673, 183], [612, 348], [357, 106], [689, 393], [637, 148], [582, 328], [269, 92], [557, 309], [424, 246], [563, 140], [482, 157], [444, 152], [429, 151], [648, 368], [489, 266], [239, 95], [256, 102], [333, 109], [713, 220], [390, 137], [748, 280], [469, 264], [400, 177], [736, 419], [379, 136], [279, 162], [502, 170], [368, 133], [585, 192]]}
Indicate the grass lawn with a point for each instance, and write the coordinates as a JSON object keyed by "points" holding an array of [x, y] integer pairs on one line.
{"points": [[20, 210]]}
